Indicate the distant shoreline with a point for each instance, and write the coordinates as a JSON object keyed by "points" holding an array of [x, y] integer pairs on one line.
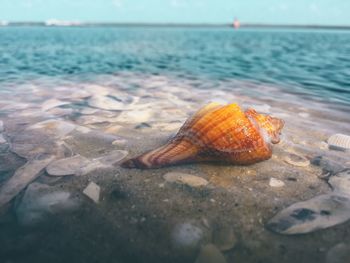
{"points": [[252, 25]]}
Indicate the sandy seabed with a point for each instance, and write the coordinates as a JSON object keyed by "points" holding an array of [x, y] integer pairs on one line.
{"points": [[139, 215]]}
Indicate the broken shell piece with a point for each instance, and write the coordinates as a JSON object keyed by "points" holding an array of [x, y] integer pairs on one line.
{"points": [[109, 103], [341, 182], [2, 139], [93, 192], [57, 128], [187, 179], [339, 142], [276, 183], [317, 213], [67, 166], [112, 157], [22, 177], [52, 103], [296, 160], [40, 201]]}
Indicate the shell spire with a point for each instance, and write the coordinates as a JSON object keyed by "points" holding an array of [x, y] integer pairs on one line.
{"points": [[216, 132]]}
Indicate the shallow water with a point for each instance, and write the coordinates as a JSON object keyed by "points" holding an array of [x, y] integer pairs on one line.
{"points": [[98, 92]]}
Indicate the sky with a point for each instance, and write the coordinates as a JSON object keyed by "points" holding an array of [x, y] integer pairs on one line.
{"points": [[322, 12]]}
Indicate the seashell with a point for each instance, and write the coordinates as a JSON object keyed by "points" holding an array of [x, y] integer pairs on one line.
{"points": [[339, 142], [217, 133], [296, 160]]}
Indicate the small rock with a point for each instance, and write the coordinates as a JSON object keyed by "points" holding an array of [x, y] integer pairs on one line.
{"points": [[2, 139], [276, 183], [296, 160], [1, 126], [41, 201], [67, 166], [339, 142], [93, 192], [210, 254], [224, 238], [187, 179], [340, 253]]}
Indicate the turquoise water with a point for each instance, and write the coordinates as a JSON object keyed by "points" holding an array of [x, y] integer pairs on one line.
{"points": [[313, 64]]}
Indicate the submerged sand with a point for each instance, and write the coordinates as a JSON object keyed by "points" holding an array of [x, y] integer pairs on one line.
{"points": [[139, 215]]}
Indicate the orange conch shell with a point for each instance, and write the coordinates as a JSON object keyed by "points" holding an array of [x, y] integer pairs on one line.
{"points": [[216, 133]]}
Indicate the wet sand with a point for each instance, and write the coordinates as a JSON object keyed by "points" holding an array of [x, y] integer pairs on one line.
{"points": [[140, 216]]}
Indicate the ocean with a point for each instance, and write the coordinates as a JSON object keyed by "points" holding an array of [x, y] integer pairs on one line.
{"points": [[76, 102]]}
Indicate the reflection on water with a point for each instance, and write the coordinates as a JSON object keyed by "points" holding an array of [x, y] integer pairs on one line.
{"points": [[74, 102]]}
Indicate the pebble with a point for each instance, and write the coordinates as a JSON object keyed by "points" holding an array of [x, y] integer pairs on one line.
{"points": [[296, 160], [41, 201], [93, 192], [22, 177], [276, 183], [340, 253], [187, 179], [186, 235], [339, 142], [67, 166], [224, 238], [210, 254], [1, 126]]}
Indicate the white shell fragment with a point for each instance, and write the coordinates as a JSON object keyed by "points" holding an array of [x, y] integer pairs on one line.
{"points": [[108, 103], [296, 160], [339, 142], [67, 166], [41, 201], [2, 139], [320, 212], [22, 177], [186, 179], [276, 183], [52, 103], [341, 182], [93, 192], [57, 128], [112, 157]]}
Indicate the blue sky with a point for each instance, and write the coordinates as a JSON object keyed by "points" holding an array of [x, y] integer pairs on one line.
{"points": [[330, 12]]}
